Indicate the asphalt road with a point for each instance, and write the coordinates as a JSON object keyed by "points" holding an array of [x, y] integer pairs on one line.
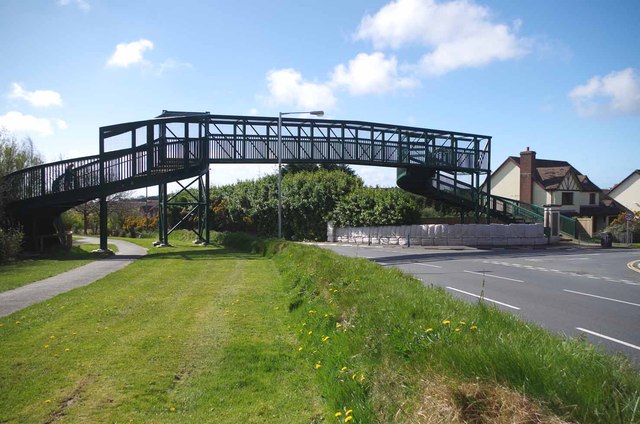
{"points": [[575, 291]]}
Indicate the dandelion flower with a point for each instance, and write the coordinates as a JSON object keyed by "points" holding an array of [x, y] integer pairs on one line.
{"points": [[446, 322], [67, 350], [343, 369], [300, 349], [338, 414], [1, 324], [325, 339], [474, 327], [349, 418], [47, 401], [349, 412], [172, 409], [338, 325], [462, 323], [46, 346], [317, 365], [458, 330], [361, 378], [428, 330], [310, 332], [353, 376], [52, 337], [312, 312]]}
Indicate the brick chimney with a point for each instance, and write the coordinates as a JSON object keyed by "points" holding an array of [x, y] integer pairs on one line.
{"points": [[527, 170]]}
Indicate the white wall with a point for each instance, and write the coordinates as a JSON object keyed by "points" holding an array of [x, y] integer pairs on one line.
{"points": [[443, 235], [628, 193], [506, 181]]}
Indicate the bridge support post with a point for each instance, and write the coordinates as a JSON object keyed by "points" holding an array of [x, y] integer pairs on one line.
{"points": [[197, 205], [103, 224]]}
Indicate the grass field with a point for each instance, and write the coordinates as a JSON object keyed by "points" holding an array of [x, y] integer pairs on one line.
{"points": [[202, 334], [185, 334], [54, 262]]}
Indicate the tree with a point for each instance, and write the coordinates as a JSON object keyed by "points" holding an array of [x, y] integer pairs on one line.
{"points": [[292, 168], [14, 156], [307, 201]]}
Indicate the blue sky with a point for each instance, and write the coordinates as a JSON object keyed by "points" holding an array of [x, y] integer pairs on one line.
{"points": [[561, 77]]}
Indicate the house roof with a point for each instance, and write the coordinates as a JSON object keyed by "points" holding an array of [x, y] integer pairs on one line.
{"points": [[637, 171], [550, 174]]}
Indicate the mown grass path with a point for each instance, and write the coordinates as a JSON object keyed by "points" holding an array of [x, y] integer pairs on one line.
{"points": [[183, 335]]}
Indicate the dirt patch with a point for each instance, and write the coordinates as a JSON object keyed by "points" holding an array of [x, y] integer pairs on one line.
{"points": [[478, 403], [70, 400]]}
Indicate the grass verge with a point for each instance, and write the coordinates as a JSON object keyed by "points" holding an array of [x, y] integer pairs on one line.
{"points": [[388, 349], [185, 334], [54, 262]]}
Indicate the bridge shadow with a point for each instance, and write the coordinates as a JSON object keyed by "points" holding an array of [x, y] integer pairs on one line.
{"points": [[434, 256], [201, 254]]}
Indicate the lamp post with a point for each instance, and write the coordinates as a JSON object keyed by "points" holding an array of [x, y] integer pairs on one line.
{"points": [[281, 114]]}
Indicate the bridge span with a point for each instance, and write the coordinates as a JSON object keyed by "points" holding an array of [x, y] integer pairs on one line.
{"points": [[446, 165]]}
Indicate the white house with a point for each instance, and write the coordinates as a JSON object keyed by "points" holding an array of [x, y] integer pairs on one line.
{"points": [[627, 192], [551, 182]]}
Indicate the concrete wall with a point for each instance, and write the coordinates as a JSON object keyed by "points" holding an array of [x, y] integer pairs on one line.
{"points": [[443, 235]]}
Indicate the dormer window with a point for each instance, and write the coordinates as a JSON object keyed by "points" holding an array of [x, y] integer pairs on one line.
{"points": [[567, 198], [592, 198]]}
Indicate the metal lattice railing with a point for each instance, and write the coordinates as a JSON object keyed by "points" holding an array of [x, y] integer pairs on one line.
{"points": [[178, 141]]}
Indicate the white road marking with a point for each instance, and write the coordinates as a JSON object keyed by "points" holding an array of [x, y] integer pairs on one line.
{"points": [[608, 338], [494, 276], [571, 273], [429, 265], [602, 297], [484, 298]]}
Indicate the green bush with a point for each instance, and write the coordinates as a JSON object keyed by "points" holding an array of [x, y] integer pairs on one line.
{"points": [[375, 206], [10, 244]]}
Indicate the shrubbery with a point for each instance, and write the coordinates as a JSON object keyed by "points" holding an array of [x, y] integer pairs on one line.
{"points": [[10, 244]]}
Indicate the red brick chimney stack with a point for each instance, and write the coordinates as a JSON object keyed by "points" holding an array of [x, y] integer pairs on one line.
{"points": [[527, 170]]}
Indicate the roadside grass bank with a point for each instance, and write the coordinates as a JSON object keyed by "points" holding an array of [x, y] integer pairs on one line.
{"points": [[384, 348], [185, 334], [56, 261]]}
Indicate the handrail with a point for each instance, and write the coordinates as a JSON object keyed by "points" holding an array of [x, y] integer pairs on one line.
{"points": [[225, 139]]}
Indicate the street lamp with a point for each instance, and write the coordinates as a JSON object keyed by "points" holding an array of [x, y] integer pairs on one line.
{"points": [[314, 113]]}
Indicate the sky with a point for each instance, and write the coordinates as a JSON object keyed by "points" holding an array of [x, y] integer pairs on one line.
{"points": [[559, 77]]}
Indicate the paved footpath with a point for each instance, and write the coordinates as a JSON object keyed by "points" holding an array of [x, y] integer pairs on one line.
{"points": [[21, 297]]}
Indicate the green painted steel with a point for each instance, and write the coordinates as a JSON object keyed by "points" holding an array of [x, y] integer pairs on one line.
{"points": [[446, 165]]}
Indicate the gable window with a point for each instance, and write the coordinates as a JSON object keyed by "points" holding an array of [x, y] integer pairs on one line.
{"points": [[567, 198], [592, 198]]}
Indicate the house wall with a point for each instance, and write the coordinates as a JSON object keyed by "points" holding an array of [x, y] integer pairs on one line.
{"points": [[627, 193], [540, 196], [506, 181], [580, 198]]}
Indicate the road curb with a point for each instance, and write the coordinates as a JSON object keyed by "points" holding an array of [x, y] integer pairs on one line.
{"points": [[634, 265]]}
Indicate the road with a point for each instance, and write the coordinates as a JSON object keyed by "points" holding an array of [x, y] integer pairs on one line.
{"points": [[574, 291]]}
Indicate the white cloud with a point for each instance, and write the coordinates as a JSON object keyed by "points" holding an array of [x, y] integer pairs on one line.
{"points": [[37, 98], [127, 54], [17, 122], [458, 34], [82, 4], [371, 73], [617, 93], [169, 65], [288, 87]]}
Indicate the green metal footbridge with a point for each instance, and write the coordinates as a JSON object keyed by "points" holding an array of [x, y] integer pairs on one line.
{"points": [[449, 166]]}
